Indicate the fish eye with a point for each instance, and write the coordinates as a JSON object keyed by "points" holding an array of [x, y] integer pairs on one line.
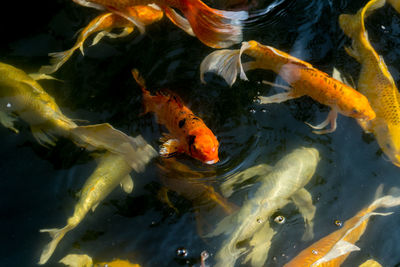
{"points": [[355, 111]]}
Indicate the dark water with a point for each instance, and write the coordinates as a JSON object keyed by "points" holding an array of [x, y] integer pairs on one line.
{"points": [[38, 185]]}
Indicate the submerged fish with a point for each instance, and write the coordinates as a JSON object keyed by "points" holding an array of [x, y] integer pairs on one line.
{"points": [[303, 78], [187, 133], [370, 263], [334, 248], [103, 25], [375, 82], [250, 224], [180, 178], [76, 260], [112, 170], [215, 28], [21, 95]]}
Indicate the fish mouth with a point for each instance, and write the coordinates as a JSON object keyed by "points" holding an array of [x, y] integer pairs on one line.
{"points": [[211, 161]]}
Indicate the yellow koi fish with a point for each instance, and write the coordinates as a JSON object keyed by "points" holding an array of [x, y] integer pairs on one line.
{"points": [[104, 24], [375, 82], [76, 260], [21, 95], [284, 183], [370, 263], [112, 170], [334, 248], [395, 4], [303, 78]]}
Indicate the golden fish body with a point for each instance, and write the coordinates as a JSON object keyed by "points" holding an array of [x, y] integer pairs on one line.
{"points": [[375, 82], [75, 260], [112, 170], [286, 179], [22, 95], [333, 249]]}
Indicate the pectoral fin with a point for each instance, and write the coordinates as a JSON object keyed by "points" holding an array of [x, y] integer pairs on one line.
{"points": [[179, 21], [76, 260], [95, 206], [228, 186], [303, 201], [7, 120], [261, 242], [170, 148], [127, 184], [42, 137]]}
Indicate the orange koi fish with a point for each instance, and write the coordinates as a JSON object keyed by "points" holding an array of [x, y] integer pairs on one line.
{"points": [[375, 82], [333, 249], [104, 24], [188, 183], [188, 133], [215, 28], [303, 78]]}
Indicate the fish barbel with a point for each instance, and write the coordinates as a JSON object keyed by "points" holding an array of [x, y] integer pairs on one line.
{"points": [[333, 249], [284, 183], [111, 170], [22, 95], [375, 82], [302, 77], [103, 25], [215, 28]]}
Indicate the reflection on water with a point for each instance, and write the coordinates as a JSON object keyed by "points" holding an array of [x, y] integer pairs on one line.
{"points": [[38, 185]]}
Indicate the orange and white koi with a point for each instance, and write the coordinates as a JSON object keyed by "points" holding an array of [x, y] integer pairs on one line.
{"points": [[103, 25], [187, 133], [375, 82], [215, 28], [303, 78], [334, 248]]}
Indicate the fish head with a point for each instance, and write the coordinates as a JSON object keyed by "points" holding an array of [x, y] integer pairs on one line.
{"points": [[358, 107], [388, 137], [203, 145]]}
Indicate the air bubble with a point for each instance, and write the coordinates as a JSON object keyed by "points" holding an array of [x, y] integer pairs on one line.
{"points": [[257, 100], [8, 105], [259, 220], [280, 219], [263, 110], [181, 252], [314, 252], [338, 223], [252, 111]]}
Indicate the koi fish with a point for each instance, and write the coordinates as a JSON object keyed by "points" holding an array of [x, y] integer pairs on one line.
{"points": [[187, 133], [284, 183], [215, 28], [22, 95], [111, 170], [375, 82], [333, 249], [76, 260], [395, 4], [303, 78], [103, 25], [183, 180], [370, 263]]}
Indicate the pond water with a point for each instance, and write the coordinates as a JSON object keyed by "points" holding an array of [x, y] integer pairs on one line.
{"points": [[38, 185]]}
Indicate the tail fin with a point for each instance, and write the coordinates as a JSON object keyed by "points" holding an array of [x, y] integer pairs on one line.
{"points": [[75, 260], [56, 235], [135, 151], [225, 63], [215, 28]]}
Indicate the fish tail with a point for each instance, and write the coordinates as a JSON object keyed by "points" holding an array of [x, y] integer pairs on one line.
{"points": [[353, 25], [147, 98], [56, 235], [59, 58], [215, 28], [76, 260], [135, 151], [384, 202], [226, 63]]}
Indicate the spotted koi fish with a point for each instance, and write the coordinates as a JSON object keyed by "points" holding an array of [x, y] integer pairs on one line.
{"points": [[103, 25], [215, 28], [187, 133], [302, 77], [375, 82]]}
